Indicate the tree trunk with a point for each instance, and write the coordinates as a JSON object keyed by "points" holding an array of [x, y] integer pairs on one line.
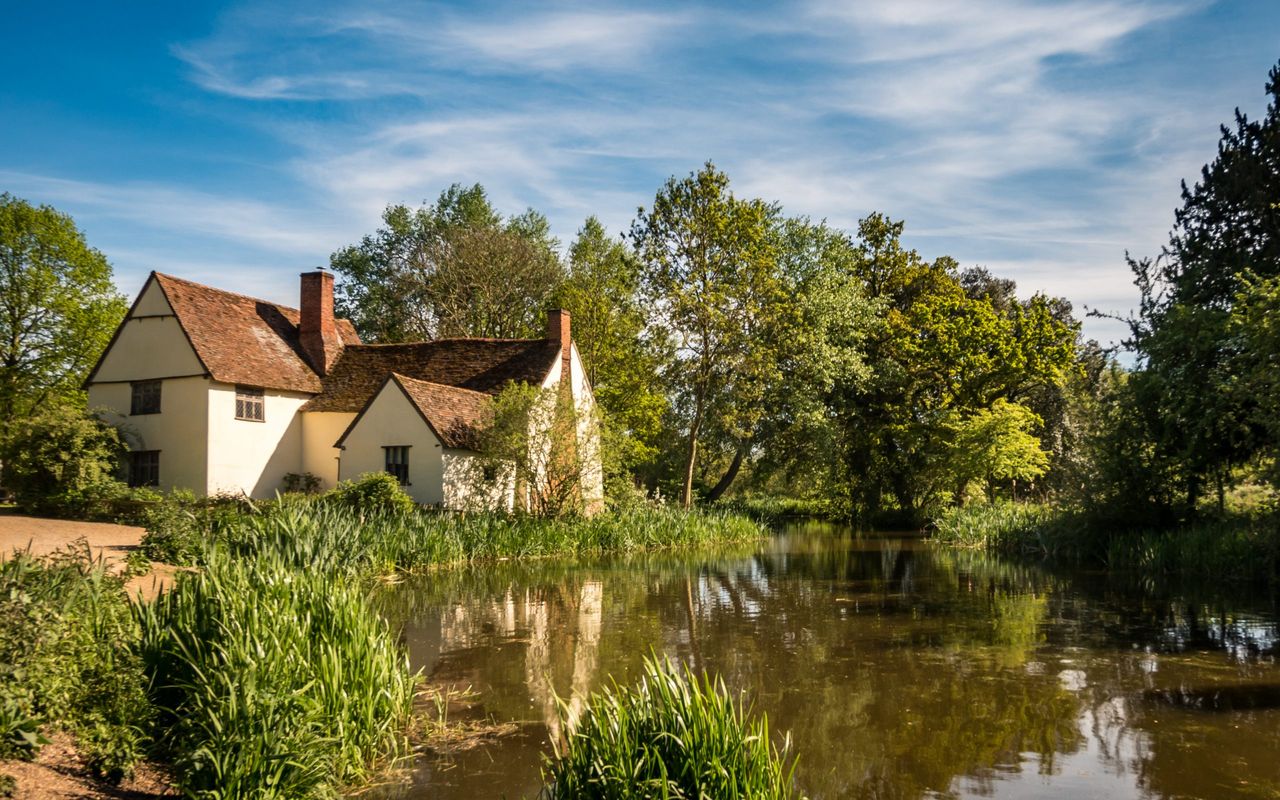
{"points": [[727, 479], [686, 495]]}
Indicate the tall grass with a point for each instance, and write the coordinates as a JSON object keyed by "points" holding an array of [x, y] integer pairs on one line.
{"points": [[1244, 547], [273, 681], [672, 736], [336, 537]]}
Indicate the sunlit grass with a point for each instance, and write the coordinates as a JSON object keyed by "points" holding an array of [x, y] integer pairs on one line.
{"points": [[672, 735]]}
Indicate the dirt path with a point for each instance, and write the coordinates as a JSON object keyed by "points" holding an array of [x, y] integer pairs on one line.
{"points": [[112, 543]]}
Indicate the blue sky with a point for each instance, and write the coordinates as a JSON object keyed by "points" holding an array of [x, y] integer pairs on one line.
{"points": [[241, 144]]}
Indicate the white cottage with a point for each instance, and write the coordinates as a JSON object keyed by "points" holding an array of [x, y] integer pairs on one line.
{"points": [[217, 392]]}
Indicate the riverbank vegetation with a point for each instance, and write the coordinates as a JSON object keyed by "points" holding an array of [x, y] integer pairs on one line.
{"points": [[265, 671], [674, 734]]}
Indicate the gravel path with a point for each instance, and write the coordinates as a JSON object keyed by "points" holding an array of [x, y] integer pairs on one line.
{"points": [[112, 543]]}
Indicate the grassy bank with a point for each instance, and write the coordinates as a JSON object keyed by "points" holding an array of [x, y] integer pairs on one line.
{"points": [[266, 672], [1240, 547], [316, 533]]}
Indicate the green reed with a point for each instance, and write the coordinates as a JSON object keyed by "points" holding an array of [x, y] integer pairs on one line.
{"points": [[317, 535], [674, 735], [272, 681]]}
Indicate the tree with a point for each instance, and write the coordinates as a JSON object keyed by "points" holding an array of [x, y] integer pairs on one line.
{"points": [[1228, 227], [58, 309], [710, 280], [1255, 330], [455, 268], [62, 460], [619, 355], [994, 445], [540, 445]]}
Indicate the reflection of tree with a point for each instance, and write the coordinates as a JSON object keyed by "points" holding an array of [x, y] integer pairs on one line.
{"points": [[900, 672]]}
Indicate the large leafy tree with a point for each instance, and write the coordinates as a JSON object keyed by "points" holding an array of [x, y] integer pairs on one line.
{"points": [[710, 280], [945, 347], [58, 308], [621, 358], [1228, 226], [453, 268]]}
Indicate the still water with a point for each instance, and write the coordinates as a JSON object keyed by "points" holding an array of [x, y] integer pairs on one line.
{"points": [[901, 670]]}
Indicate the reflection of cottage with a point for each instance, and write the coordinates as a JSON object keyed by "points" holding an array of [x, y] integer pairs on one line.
{"points": [[218, 392]]}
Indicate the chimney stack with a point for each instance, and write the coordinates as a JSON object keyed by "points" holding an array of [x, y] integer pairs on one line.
{"points": [[558, 331], [316, 330]]}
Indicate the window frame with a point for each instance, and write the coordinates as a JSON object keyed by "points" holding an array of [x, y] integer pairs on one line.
{"points": [[400, 469], [139, 395], [251, 397], [152, 469]]}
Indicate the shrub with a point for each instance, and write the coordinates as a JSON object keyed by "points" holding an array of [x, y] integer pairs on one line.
{"points": [[63, 462], [373, 491], [272, 682], [300, 483], [67, 661], [180, 526], [674, 735]]}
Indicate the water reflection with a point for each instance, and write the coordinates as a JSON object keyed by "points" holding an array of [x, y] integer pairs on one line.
{"points": [[902, 671]]}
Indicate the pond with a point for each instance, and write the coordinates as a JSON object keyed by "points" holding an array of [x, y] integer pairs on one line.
{"points": [[900, 669]]}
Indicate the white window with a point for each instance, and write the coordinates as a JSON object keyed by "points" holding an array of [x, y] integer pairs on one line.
{"points": [[250, 404]]}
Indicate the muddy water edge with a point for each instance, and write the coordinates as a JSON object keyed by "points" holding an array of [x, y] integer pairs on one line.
{"points": [[901, 669]]}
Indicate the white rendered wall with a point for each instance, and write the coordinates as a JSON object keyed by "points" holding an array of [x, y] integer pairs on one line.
{"points": [[253, 457], [592, 479], [149, 346], [179, 431], [391, 420], [320, 431], [465, 488]]}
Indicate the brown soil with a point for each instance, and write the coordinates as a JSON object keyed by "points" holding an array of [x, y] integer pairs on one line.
{"points": [[60, 774], [112, 543]]}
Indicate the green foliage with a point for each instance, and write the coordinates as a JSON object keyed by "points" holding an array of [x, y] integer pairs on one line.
{"points": [[1225, 245], [710, 279], [1255, 332], [180, 526], [455, 268], [300, 483], [620, 356], [372, 492], [273, 681], [1239, 547], [994, 445], [67, 661], [63, 462], [343, 539], [58, 308], [673, 735]]}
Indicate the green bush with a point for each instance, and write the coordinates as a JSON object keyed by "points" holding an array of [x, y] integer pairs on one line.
{"points": [[67, 660], [63, 463], [372, 492], [272, 681], [674, 735], [180, 526]]}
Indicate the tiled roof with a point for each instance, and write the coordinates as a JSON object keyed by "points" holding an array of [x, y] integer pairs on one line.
{"points": [[456, 415], [245, 340], [481, 365]]}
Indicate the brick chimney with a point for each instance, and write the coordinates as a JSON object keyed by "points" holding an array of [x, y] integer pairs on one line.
{"points": [[558, 331], [316, 330]]}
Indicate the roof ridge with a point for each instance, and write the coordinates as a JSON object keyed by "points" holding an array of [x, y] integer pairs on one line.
{"points": [[224, 291], [400, 376], [452, 339]]}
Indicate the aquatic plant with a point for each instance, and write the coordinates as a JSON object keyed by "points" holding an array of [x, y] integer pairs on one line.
{"points": [[673, 735], [273, 681], [339, 538]]}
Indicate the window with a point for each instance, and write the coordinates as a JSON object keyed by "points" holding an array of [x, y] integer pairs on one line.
{"points": [[250, 404], [397, 462], [146, 398], [144, 468], [490, 473]]}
